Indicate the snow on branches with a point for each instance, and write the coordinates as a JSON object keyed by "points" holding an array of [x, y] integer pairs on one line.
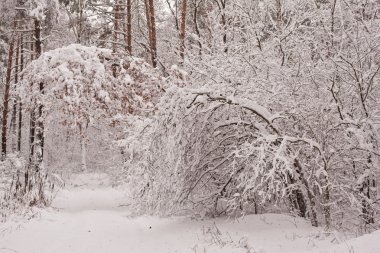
{"points": [[78, 82], [38, 9], [215, 153], [222, 149]]}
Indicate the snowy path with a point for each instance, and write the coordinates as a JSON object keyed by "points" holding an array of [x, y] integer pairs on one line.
{"points": [[91, 217]]}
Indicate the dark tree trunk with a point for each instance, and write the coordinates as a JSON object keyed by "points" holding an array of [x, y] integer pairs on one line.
{"points": [[37, 124], [183, 30], [115, 34], [367, 210], [127, 27], [32, 124], [309, 193], [151, 22], [14, 107], [297, 199], [6, 97], [20, 104]]}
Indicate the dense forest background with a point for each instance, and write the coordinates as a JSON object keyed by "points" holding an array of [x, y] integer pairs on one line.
{"points": [[214, 107]]}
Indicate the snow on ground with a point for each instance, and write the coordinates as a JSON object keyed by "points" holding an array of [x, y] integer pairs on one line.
{"points": [[90, 216]]}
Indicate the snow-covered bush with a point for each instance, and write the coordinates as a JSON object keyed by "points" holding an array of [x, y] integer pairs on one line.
{"points": [[315, 66], [223, 149], [42, 9], [21, 188], [206, 148]]}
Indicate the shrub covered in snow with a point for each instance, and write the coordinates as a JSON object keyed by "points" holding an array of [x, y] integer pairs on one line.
{"points": [[223, 150], [22, 188]]}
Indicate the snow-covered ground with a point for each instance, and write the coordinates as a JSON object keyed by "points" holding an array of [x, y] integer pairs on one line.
{"points": [[90, 216]]}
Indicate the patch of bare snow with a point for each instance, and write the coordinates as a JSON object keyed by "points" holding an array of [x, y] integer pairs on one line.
{"points": [[90, 216]]}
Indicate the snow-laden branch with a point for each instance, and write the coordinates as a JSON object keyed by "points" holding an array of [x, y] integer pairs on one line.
{"points": [[244, 103]]}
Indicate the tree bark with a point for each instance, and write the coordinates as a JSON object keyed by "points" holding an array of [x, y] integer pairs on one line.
{"points": [[32, 124], [309, 193], [116, 25], [38, 122], [82, 132], [151, 23], [148, 22], [297, 199], [196, 27], [14, 100], [127, 27], [222, 8], [183, 30], [326, 198], [115, 34], [6, 97], [20, 104]]}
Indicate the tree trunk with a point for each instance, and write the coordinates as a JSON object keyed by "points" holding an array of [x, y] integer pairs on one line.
{"points": [[127, 27], [367, 209], [115, 34], [6, 97], [32, 124], [196, 27], [326, 198], [224, 23], [148, 23], [80, 29], [116, 25], [38, 122], [14, 107], [326, 205], [151, 22], [297, 199], [313, 212], [183, 30], [82, 132], [20, 104]]}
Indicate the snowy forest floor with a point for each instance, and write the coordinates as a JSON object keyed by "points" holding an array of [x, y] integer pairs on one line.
{"points": [[90, 216]]}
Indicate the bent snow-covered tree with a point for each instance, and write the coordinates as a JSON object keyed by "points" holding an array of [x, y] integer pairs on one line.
{"points": [[218, 151], [80, 87]]}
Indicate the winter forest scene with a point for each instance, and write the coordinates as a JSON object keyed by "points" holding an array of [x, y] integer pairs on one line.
{"points": [[190, 126]]}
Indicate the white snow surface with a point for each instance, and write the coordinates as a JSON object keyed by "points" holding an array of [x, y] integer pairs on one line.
{"points": [[91, 216]]}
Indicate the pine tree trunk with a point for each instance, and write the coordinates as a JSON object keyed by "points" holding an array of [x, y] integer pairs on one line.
{"points": [[152, 28], [149, 26], [38, 121], [32, 124], [80, 29], [183, 30], [20, 104], [154, 36], [14, 107], [116, 25], [6, 97], [129, 26], [115, 34]]}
